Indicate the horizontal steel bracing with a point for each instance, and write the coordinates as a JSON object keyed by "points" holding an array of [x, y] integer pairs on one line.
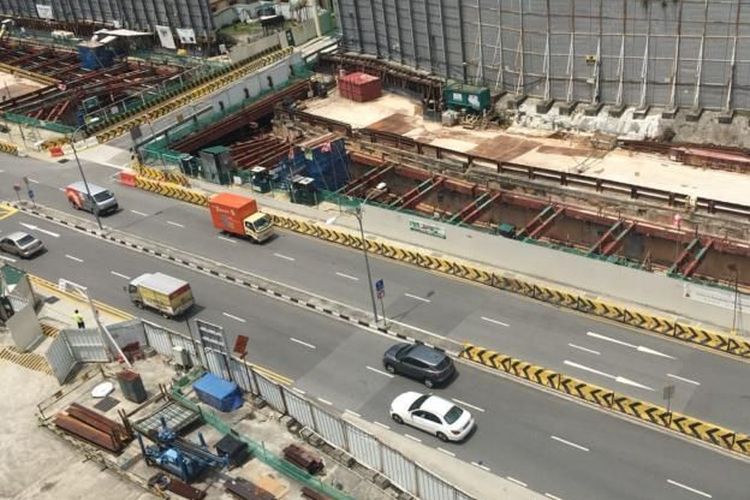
{"points": [[675, 53]]}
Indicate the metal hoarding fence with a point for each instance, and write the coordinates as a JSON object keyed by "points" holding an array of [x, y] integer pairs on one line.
{"points": [[364, 447], [330, 428], [86, 345], [60, 358], [400, 470], [270, 392], [299, 409]]}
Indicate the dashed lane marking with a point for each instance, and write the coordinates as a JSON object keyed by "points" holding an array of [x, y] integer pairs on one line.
{"points": [[683, 379], [325, 401], [585, 349], [302, 342], [236, 318], [481, 466], [514, 480], [9, 259], [136, 212], [73, 258], [119, 275], [494, 321], [381, 425], [417, 297], [569, 443], [285, 257], [413, 438], [381, 372], [230, 240], [468, 404], [347, 276], [353, 413], [688, 488], [449, 453], [176, 224]]}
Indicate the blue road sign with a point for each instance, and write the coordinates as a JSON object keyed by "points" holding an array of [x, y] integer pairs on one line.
{"points": [[31, 194], [380, 287]]}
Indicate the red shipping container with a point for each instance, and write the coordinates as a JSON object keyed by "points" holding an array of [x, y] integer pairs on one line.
{"points": [[229, 210], [360, 87]]}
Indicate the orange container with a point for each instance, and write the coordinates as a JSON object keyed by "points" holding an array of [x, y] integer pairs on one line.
{"points": [[127, 178], [229, 210]]}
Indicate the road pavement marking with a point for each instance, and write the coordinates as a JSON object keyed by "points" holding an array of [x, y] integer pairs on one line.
{"points": [[467, 404], [136, 212], [282, 256], [381, 425], [616, 378], [302, 343], [379, 371], [347, 276], [639, 348], [417, 297], [37, 228], [299, 391], [230, 240], [569, 443], [353, 413], [677, 377], [71, 257], [553, 497], [449, 453], [176, 224], [574, 346], [9, 259], [483, 467], [236, 318], [120, 275], [325, 401], [688, 488], [412, 438], [514, 480], [490, 320], [33, 181]]}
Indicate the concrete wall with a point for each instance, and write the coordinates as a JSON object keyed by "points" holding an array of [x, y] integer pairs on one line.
{"points": [[243, 51], [526, 46]]}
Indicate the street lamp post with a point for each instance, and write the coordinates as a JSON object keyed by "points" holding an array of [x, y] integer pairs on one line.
{"points": [[357, 212], [83, 177]]}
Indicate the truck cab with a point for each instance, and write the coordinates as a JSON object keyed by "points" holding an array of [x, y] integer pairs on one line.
{"points": [[239, 215], [258, 226]]}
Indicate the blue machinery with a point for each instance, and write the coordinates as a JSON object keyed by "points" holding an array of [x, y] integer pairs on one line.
{"points": [[182, 458]]}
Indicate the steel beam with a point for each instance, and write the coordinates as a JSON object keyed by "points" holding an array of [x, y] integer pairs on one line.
{"points": [[472, 211]]}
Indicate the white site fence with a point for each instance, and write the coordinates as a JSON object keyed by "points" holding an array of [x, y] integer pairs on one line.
{"points": [[364, 447]]}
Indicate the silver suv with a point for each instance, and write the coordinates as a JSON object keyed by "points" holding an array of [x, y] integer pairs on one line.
{"points": [[22, 244]]}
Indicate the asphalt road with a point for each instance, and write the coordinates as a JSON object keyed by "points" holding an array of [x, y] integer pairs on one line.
{"points": [[549, 443], [707, 385]]}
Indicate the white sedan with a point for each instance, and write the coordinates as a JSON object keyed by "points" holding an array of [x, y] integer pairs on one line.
{"points": [[433, 415]]}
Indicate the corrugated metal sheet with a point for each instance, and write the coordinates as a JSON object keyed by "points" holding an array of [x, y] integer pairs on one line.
{"points": [[86, 345], [60, 358], [270, 392], [399, 470], [299, 408], [364, 447], [432, 487], [329, 428]]}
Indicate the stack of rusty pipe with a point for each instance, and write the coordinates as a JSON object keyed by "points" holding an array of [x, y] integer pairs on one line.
{"points": [[94, 428]]}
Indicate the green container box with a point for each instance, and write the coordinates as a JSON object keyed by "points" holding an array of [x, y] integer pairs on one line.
{"points": [[461, 96]]}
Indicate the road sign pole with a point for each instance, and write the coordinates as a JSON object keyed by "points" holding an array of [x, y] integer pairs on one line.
{"points": [[382, 310]]}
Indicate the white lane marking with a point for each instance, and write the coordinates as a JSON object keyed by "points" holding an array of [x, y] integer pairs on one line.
{"points": [[381, 425], [176, 224], [449, 453], [33, 181], [514, 480], [483, 467], [639, 348], [136, 212], [417, 297], [281, 256], [496, 322], [37, 228], [119, 275], [299, 391], [302, 343], [230, 240], [677, 377], [379, 371], [413, 438], [325, 401], [353, 413], [574, 346], [616, 378], [73, 258], [467, 404], [688, 488], [569, 443], [553, 497], [236, 318], [9, 259], [61, 189], [347, 276]]}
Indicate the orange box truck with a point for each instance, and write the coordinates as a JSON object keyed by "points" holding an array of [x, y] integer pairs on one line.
{"points": [[239, 215]]}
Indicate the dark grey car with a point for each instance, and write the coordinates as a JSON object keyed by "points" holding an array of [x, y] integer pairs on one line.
{"points": [[419, 362]]}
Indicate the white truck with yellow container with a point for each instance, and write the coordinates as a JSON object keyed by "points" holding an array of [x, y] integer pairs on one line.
{"points": [[167, 295]]}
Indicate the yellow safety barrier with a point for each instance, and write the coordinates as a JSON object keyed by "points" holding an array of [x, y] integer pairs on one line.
{"points": [[29, 360], [172, 190], [534, 373], [704, 431], [157, 174], [188, 96], [49, 330], [588, 392], [644, 411], [7, 147], [742, 443], [6, 211], [562, 298]]}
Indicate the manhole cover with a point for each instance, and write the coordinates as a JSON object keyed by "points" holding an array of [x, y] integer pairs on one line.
{"points": [[63, 160], [106, 404]]}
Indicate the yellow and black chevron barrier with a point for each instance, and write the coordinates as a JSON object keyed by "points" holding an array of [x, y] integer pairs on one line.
{"points": [[49, 330], [558, 297], [191, 95], [29, 360], [175, 191], [158, 174], [7, 147], [606, 398]]}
